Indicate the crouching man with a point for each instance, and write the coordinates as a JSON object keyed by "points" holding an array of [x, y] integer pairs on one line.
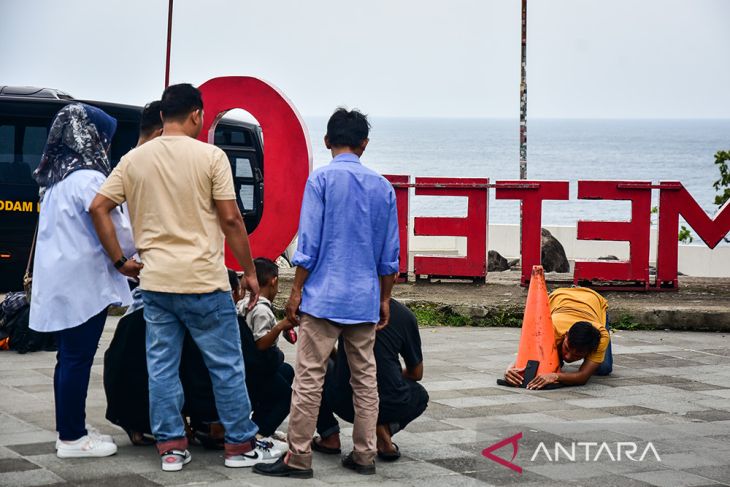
{"points": [[581, 333], [402, 398]]}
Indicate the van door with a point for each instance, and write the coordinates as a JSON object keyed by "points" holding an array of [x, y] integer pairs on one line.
{"points": [[22, 140]]}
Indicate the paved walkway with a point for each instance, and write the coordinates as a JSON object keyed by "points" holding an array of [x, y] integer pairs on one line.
{"points": [[669, 394]]}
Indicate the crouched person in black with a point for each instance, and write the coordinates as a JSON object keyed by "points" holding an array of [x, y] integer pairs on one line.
{"points": [[402, 398], [268, 377]]}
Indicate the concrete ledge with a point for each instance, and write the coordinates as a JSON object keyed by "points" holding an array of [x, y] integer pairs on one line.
{"points": [[701, 304]]}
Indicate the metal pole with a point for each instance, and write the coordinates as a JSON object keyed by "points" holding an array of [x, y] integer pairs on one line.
{"points": [[169, 41], [523, 96]]}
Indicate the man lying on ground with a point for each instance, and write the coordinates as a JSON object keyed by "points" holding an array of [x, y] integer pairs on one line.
{"points": [[581, 333], [402, 398]]}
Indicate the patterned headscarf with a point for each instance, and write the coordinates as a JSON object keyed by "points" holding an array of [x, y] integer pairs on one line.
{"points": [[79, 138]]}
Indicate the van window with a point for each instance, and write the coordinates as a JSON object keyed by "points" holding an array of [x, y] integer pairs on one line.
{"points": [[21, 145], [232, 135], [125, 138], [244, 183]]}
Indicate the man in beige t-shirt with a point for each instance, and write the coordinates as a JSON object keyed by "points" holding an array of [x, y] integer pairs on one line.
{"points": [[181, 201]]}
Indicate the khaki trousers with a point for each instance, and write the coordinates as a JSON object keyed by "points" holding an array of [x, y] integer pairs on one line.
{"points": [[317, 337]]}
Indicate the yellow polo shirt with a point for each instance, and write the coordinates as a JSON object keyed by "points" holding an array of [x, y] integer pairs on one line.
{"points": [[569, 305]]}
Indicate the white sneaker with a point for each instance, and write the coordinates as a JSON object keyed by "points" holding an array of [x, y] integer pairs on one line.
{"points": [[93, 433], [173, 460], [263, 453], [86, 446], [276, 442]]}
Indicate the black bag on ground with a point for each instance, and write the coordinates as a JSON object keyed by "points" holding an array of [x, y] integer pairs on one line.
{"points": [[22, 338]]}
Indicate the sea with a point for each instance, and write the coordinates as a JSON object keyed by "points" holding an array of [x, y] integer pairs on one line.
{"points": [[557, 149]]}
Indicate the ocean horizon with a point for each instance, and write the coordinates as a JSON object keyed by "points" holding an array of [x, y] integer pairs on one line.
{"points": [[557, 149]]}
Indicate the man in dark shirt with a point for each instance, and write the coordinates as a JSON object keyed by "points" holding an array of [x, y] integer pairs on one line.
{"points": [[402, 398]]}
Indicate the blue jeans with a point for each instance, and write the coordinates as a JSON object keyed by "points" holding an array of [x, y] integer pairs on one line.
{"points": [[211, 320], [606, 366]]}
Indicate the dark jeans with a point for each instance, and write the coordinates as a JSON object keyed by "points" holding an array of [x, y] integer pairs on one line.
{"points": [[76, 349], [271, 399], [606, 366], [337, 399]]}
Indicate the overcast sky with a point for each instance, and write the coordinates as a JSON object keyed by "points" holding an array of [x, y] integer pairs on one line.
{"points": [[586, 58]]}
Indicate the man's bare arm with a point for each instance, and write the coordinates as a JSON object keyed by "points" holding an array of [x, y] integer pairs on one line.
{"points": [[100, 211], [414, 373], [295, 298], [586, 370], [386, 289], [231, 223]]}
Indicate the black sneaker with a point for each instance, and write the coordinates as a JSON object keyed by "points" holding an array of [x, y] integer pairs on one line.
{"points": [[349, 462], [281, 469]]}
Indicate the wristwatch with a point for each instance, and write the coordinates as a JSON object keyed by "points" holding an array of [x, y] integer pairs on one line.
{"points": [[118, 264]]}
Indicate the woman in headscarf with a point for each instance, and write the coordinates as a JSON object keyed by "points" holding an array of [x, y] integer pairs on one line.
{"points": [[73, 281]]}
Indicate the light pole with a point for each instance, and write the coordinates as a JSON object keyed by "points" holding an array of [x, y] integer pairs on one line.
{"points": [[523, 95], [169, 40]]}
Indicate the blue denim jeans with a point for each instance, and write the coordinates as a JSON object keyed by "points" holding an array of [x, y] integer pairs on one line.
{"points": [[606, 366], [213, 325]]}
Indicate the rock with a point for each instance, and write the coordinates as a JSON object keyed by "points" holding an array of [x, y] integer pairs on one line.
{"points": [[496, 263], [608, 257], [513, 263], [553, 254]]}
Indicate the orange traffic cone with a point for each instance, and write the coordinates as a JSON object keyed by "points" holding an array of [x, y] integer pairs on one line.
{"points": [[537, 341]]}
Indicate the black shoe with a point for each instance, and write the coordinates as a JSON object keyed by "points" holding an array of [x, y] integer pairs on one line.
{"points": [[281, 469], [348, 462]]}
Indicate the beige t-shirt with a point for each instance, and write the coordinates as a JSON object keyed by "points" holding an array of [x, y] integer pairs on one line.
{"points": [[170, 185]]}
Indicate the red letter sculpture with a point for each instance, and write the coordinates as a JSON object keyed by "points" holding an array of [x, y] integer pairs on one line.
{"points": [[473, 227], [532, 194], [287, 155], [400, 185], [636, 231], [675, 200]]}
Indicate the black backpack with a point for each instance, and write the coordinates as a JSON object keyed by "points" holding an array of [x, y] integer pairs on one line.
{"points": [[16, 326]]}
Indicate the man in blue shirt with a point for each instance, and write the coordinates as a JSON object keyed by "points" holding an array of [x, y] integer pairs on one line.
{"points": [[347, 260]]}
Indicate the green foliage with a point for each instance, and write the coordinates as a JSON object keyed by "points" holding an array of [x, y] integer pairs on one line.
{"points": [[431, 315], [685, 236], [722, 185], [626, 323]]}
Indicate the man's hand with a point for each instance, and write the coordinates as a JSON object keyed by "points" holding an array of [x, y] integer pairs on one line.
{"points": [[514, 376], [292, 306], [284, 325], [384, 315], [542, 380], [131, 268], [251, 284]]}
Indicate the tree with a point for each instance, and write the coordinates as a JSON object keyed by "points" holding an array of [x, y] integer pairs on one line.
{"points": [[722, 185]]}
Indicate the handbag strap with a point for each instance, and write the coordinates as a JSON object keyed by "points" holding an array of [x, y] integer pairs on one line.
{"points": [[32, 249]]}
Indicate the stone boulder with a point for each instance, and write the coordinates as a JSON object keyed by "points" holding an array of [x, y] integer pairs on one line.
{"points": [[553, 254], [495, 262]]}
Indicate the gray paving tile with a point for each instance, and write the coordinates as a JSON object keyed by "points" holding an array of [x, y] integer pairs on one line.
{"points": [[31, 449], [31, 478], [630, 410], [710, 415], [718, 473], [670, 478], [16, 465], [122, 481]]}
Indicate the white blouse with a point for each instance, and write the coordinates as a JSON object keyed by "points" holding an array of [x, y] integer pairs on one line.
{"points": [[73, 277]]}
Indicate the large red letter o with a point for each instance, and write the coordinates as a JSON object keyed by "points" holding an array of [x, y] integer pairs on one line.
{"points": [[287, 155]]}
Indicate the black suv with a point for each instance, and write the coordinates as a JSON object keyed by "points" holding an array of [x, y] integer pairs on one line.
{"points": [[26, 114]]}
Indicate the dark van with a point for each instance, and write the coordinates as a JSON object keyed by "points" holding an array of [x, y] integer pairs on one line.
{"points": [[26, 114]]}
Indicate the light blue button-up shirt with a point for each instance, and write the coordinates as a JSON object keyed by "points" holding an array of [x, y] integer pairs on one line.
{"points": [[73, 277], [348, 237]]}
